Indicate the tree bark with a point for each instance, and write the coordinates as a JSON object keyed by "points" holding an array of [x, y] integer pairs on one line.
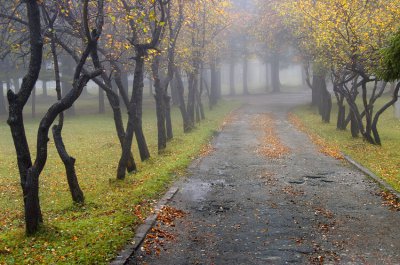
{"points": [[354, 124], [69, 164], [160, 105], [137, 98]]}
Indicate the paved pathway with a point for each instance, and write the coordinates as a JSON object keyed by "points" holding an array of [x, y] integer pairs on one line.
{"points": [[305, 208]]}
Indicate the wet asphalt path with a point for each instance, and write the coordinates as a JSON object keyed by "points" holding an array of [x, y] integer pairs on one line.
{"points": [[305, 208]]}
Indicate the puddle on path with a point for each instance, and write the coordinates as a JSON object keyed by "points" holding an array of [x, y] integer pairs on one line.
{"points": [[195, 189]]}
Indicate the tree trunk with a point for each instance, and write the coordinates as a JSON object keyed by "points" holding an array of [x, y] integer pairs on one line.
{"points": [[275, 79], [327, 106], [341, 118], [354, 124], [218, 81], [137, 99], [395, 97], [316, 91], [69, 163], [168, 120], [125, 84], [245, 77], [367, 111], [232, 90], [2, 101], [182, 106], [192, 98], [267, 75], [325, 100], [199, 106], [45, 94], [213, 86], [174, 92], [67, 75], [160, 105], [33, 213], [134, 119], [119, 126]]}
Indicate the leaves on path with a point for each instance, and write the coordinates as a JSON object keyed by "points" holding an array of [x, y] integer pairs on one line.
{"points": [[157, 237], [230, 118], [390, 200], [206, 150], [270, 144], [292, 191], [168, 215], [323, 146]]}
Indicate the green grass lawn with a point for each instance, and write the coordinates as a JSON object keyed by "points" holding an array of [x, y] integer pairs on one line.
{"points": [[383, 160], [93, 233]]}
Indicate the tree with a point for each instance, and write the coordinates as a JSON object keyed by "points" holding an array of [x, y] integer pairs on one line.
{"points": [[346, 37], [30, 172], [163, 78], [141, 47]]}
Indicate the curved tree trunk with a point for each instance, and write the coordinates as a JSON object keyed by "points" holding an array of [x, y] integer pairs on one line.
{"points": [[374, 125], [69, 164], [68, 161]]}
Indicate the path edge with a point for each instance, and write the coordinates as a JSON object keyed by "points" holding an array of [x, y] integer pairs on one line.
{"points": [[126, 253], [383, 184]]}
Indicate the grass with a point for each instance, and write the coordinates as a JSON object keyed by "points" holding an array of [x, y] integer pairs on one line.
{"points": [[93, 233], [382, 160]]}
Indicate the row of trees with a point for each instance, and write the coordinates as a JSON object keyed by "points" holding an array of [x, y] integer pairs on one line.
{"points": [[106, 40], [352, 43]]}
